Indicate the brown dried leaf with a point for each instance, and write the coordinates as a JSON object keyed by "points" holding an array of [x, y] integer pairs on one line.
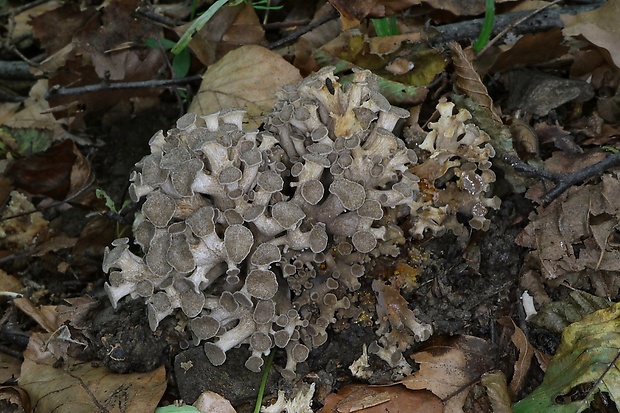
{"points": [[45, 316], [9, 283], [460, 7], [72, 386], [599, 26], [380, 399], [14, 399], [352, 12], [60, 172], [246, 78], [449, 366], [228, 29], [468, 80], [9, 367], [497, 391], [526, 352]]}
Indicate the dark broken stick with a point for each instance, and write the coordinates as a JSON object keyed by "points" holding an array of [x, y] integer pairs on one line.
{"points": [[562, 181]]}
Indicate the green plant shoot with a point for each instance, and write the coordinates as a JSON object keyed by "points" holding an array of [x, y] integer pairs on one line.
{"points": [[487, 26]]}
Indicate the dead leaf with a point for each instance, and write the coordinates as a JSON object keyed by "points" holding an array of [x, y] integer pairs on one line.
{"points": [[526, 352], [70, 386], [538, 93], [468, 80], [380, 399], [228, 29], [21, 226], [9, 368], [14, 399], [449, 366], [60, 172], [599, 26], [497, 391], [9, 283], [246, 78], [45, 316]]}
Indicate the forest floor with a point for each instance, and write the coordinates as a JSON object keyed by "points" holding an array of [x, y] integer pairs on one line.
{"points": [[523, 313]]}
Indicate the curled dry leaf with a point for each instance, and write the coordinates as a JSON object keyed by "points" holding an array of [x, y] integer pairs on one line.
{"points": [[246, 78], [497, 391], [468, 80], [526, 352]]}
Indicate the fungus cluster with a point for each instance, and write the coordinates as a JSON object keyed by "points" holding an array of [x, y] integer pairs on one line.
{"points": [[260, 237]]}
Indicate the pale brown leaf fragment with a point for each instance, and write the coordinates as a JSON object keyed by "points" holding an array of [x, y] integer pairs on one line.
{"points": [[497, 391], [246, 78], [72, 386], [468, 80], [599, 26], [526, 352], [380, 399]]}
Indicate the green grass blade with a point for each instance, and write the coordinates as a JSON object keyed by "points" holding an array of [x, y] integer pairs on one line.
{"points": [[197, 25], [487, 26], [386, 26]]}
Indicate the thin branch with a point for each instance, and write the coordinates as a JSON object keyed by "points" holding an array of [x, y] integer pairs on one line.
{"points": [[56, 91], [580, 176], [562, 181], [543, 21]]}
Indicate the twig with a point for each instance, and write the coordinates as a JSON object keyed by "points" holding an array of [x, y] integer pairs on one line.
{"points": [[513, 25], [562, 181], [57, 92], [331, 15], [545, 20], [580, 176], [23, 8], [15, 70]]}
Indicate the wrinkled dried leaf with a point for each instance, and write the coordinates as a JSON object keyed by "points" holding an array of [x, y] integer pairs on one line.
{"points": [[584, 220], [246, 78], [557, 315], [588, 354], [526, 352], [72, 386], [468, 80], [599, 26], [228, 29], [376, 399], [449, 366]]}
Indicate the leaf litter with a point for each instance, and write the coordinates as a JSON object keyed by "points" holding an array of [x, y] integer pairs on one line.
{"points": [[557, 118]]}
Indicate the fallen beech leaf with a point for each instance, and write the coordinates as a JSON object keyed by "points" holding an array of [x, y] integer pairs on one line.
{"points": [[33, 113], [599, 26], [587, 355], [526, 352], [449, 366], [71, 386], [20, 227], [246, 78], [380, 399], [468, 80]]}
